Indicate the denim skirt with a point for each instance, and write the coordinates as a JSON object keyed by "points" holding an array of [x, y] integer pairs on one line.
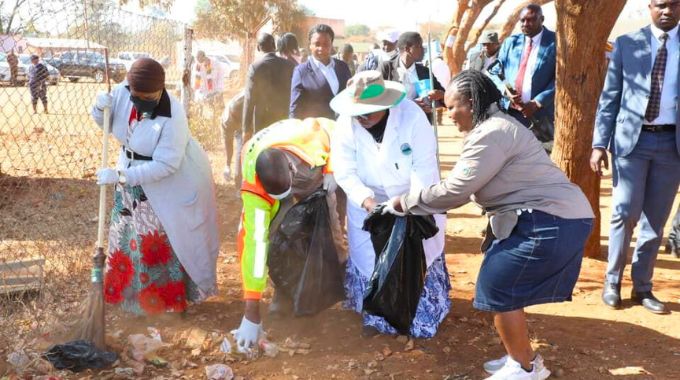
{"points": [[538, 263]]}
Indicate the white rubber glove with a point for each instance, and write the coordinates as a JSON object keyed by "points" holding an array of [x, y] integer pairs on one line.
{"points": [[329, 183], [247, 335], [103, 100], [107, 176], [389, 208]]}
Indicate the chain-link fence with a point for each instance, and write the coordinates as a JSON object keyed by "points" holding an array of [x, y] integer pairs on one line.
{"points": [[50, 147]]}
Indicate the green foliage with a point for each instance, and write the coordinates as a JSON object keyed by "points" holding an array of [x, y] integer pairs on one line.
{"points": [[357, 30]]}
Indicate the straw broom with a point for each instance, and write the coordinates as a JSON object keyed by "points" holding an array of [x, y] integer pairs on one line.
{"points": [[91, 325]]}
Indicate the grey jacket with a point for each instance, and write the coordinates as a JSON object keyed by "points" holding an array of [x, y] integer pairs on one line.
{"points": [[503, 168]]}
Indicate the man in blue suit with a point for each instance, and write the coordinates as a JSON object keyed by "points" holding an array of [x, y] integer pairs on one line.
{"points": [[637, 120], [527, 66], [318, 80]]}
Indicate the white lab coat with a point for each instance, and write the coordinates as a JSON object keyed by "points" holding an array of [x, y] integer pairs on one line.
{"points": [[177, 181], [365, 169]]}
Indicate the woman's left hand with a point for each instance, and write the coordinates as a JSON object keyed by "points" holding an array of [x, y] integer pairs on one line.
{"points": [[393, 206]]}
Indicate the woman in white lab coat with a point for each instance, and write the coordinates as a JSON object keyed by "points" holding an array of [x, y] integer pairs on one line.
{"points": [[383, 145]]}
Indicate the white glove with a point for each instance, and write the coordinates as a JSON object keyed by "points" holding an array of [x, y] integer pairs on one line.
{"points": [[329, 183], [104, 99], [389, 208], [107, 176], [247, 335]]}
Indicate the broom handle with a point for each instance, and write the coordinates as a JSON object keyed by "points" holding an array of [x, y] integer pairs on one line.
{"points": [[102, 188], [105, 156]]}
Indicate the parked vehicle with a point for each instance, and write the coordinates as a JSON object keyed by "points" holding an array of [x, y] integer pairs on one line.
{"points": [[127, 57], [75, 65], [54, 75], [230, 68], [5, 75]]}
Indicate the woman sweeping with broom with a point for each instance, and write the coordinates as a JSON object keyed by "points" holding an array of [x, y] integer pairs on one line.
{"points": [[163, 241]]}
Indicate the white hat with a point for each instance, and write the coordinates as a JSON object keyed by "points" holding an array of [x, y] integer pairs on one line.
{"points": [[389, 35], [366, 93]]}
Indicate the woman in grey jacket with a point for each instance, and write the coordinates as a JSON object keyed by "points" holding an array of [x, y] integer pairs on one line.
{"points": [[163, 241], [539, 220]]}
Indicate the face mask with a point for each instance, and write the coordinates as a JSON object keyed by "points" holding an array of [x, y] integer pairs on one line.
{"points": [[283, 195], [144, 107]]}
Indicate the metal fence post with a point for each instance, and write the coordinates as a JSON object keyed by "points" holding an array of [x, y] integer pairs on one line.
{"points": [[186, 73]]}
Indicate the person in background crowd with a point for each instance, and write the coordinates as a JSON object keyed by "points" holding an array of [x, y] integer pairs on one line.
{"points": [[527, 62], [383, 146], [673, 245], [13, 62], [346, 55], [267, 92], [209, 83], [37, 83], [538, 220], [319, 79], [282, 164], [231, 122], [406, 69], [482, 59], [163, 239], [379, 54], [287, 47], [638, 121]]}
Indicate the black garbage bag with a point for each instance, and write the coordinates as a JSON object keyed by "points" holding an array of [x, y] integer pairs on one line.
{"points": [[399, 274], [303, 260], [79, 355]]}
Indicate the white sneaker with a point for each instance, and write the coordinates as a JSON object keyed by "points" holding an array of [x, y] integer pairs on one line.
{"points": [[512, 370], [493, 366], [227, 174]]}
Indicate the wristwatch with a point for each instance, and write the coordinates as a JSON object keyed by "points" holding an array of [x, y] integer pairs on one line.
{"points": [[121, 177]]}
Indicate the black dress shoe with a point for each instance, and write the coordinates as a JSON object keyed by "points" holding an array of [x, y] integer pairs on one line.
{"points": [[611, 295], [649, 302]]}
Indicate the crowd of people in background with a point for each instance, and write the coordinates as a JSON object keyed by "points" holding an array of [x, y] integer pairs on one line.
{"points": [[363, 134]]}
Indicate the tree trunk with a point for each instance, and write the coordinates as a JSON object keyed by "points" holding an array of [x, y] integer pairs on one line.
{"points": [[514, 17], [481, 29], [462, 6], [582, 30]]}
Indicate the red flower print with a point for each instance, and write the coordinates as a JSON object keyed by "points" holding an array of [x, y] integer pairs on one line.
{"points": [[113, 290], [174, 295], [150, 300], [120, 269], [155, 249], [133, 244], [144, 277]]}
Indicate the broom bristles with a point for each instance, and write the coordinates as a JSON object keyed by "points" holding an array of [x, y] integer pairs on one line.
{"points": [[90, 325]]}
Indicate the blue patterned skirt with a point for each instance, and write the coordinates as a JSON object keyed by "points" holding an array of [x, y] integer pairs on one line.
{"points": [[433, 306]]}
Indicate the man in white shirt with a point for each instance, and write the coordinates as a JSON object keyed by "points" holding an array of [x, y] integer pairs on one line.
{"points": [[637, 121]]}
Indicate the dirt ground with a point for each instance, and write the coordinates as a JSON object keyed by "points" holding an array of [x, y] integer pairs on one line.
{"points": [[579, 340]]}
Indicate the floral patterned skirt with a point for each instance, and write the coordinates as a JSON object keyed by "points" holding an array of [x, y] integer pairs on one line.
{"points": [[433, 306], [143, 274]]}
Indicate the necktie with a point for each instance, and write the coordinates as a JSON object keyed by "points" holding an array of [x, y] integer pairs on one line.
{"points": [[519, 81], [658, 71]]}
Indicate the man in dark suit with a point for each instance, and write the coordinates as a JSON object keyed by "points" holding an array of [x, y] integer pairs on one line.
{"points": [[267, 91], [316, 81], [637, 120], [527, 64], [407, 69]]}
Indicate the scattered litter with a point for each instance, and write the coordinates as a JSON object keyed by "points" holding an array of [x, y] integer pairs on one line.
{"points": [[225, 347], [269, 348], [143, 345], [18, 359], [195, 338], [219, 372], [124, 372]]}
